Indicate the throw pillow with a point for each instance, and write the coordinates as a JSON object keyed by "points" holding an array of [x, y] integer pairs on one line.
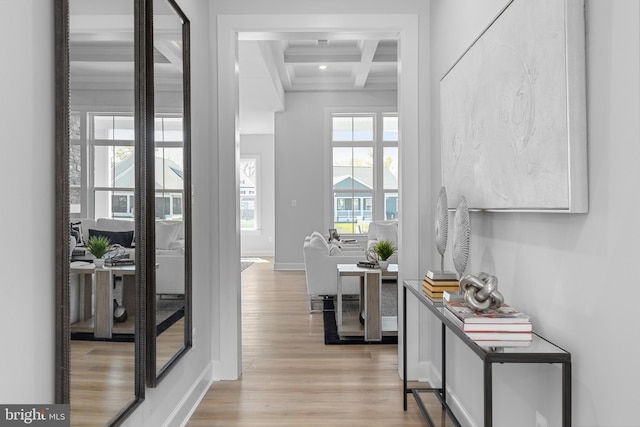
{"points": [[387, 232], [319, 243], [335, 251], [166, 233], [122, 238]]}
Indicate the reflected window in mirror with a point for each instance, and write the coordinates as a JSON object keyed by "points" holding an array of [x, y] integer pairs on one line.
{"points": [[172, 206]]}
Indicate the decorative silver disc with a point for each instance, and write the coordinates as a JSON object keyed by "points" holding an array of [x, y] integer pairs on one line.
{"points": [[461, 232]]}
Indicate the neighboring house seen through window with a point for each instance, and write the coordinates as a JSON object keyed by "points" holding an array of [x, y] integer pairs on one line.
{"points": [[364, 162]]}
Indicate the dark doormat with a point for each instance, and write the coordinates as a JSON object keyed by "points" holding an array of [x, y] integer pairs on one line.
{"points": [[331, 336]]}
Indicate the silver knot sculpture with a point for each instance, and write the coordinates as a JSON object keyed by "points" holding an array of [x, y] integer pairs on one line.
{"points": [[481, 291]]}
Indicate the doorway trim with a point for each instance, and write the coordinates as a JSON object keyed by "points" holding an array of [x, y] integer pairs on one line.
{"points": [[227, 342]]}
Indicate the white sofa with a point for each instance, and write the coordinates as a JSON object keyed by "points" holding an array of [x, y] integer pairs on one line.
{"points": [[384, 230], [320, 261]]}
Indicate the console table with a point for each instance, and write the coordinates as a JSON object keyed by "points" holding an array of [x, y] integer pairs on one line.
{"points": [[540, 351]]}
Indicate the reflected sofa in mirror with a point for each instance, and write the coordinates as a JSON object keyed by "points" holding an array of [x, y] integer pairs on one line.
{"points": [[169, 316], [98, 184]]}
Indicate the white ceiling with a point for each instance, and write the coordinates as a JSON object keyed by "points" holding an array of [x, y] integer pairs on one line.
{"points": [[273, 64]]}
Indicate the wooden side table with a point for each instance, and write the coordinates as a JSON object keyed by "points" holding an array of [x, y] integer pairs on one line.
{"points": [[103, 321], [370, 296]]}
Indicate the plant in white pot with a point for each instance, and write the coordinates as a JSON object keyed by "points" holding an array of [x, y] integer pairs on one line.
{"points": [[384, 249], [98, 246]]}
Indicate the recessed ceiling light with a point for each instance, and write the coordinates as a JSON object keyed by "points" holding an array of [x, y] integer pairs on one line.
{"points": [[322, 67]]}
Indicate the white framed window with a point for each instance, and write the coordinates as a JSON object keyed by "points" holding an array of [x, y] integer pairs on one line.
{"points": [[249, 193], [102, 173], [364, 169]]}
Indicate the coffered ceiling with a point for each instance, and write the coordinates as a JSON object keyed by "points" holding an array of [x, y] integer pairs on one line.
{"points": [[272, 64]]}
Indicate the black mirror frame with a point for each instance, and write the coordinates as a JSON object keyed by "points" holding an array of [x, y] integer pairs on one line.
{"points": [[153, 375], [62, 216]]}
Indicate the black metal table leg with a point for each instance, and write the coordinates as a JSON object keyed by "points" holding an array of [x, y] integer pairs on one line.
{"points": [[488, 394], [444, 363], [404, 345], [566, 394]]}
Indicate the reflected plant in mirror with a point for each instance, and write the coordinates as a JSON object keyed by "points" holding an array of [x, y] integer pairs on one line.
{"points": [[100, 360]]}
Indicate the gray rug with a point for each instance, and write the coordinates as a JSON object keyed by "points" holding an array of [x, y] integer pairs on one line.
{"points": [[389, 301], [244, 265]]}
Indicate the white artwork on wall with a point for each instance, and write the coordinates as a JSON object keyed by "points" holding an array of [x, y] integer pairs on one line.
{"points": [[513, 112]]}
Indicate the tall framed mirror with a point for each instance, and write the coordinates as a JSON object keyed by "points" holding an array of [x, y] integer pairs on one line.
{"points": [[101, 145], [169, 299]]}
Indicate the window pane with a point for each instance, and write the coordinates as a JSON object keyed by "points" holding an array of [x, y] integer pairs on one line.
{"points": [[390, 171], [177, 205], [157, 129], [75, 165], [123, 128], [352, 211], [169, 168], [352, 168], [172, 129], [163, 207], [391, 206], [74, 126], [363, 128], [390, 128], [114, 204], [103, 127], [342, 128], [113, 166], [74, 201], [248, 194], [119, 202]]}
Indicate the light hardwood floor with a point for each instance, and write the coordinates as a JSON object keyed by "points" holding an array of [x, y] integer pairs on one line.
{"points": [[290, 378], [102, 375]]}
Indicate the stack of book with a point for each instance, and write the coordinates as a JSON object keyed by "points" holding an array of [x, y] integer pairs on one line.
{"points": [[434, 285], [503, 327], [368, 264], [119, 261]]}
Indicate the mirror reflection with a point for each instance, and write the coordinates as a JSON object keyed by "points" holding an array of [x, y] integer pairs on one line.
{"points": [[101, 203], [171, 178], [171, 171]]}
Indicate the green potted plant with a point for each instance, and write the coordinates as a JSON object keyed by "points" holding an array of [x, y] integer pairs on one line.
{"points": [[98, 246], [384, 249]]}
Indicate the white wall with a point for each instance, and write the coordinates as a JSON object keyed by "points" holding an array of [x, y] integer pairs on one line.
{"points": [[27, 122], [261, 242], [301, 165], [571, 273], [187, 381]]}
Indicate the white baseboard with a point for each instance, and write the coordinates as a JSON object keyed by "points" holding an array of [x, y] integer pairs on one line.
{"points": [[189, 403], [288, 266], [257, 254]]}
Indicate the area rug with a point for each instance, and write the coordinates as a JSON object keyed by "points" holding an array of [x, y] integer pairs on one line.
{"points": [[351, 307], [245, 264], [168, 312]]}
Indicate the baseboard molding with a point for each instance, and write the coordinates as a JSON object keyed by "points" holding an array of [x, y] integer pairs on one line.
{"points": [[257, 254], [433, 376], [189, 403], [292, 266]]}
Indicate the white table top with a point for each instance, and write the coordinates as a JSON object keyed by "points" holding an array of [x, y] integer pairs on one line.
{"points": [[353, 268]]}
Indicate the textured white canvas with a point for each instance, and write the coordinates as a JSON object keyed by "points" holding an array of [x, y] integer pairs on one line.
{"points": [[505, 113]]}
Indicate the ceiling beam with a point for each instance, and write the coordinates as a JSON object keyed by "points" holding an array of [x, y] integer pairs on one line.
{"points": [[361, 71], [270, 52]]}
